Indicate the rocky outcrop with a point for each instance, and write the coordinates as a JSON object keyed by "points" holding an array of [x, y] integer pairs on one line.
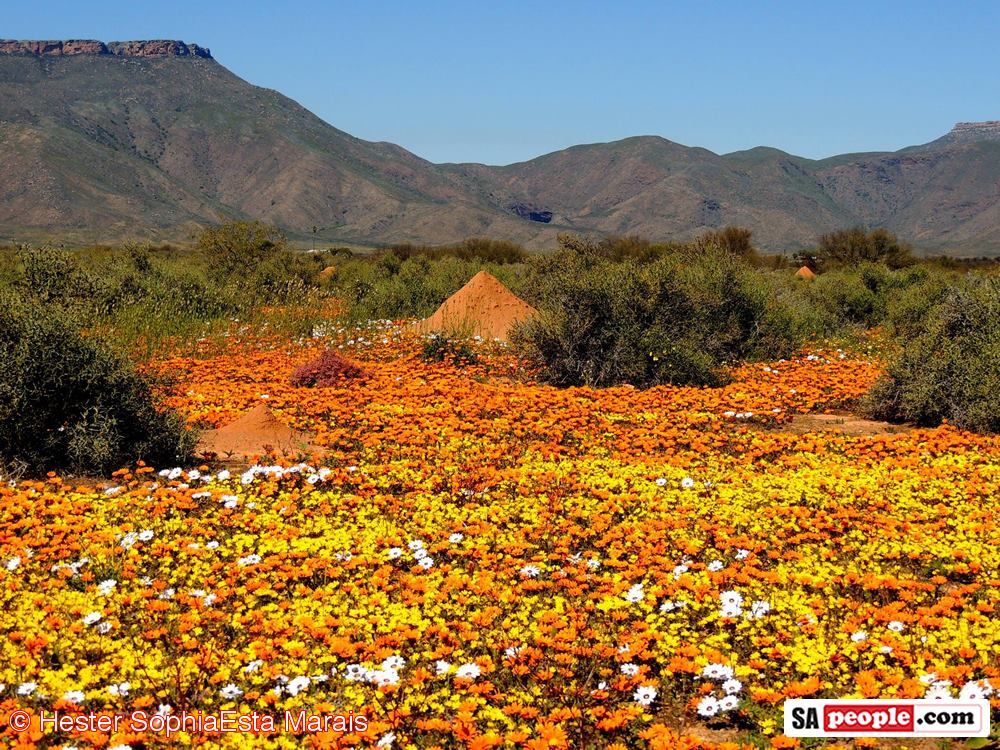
{"points": [[157, 48], [976, 131], [146, 48]]}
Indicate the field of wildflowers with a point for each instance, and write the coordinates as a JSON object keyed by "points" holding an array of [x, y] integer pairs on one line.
{"points": [[478, 561]]}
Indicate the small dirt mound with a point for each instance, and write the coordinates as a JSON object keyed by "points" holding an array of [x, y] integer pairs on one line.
{"points": [[483, 307], [256, 433], [805, 273]]}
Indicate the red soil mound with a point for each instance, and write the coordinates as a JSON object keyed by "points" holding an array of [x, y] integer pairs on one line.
{"points": [[483, 307], [256, 433], [805, 273]]}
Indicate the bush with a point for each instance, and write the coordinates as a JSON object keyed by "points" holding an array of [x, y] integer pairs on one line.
{"points": [[327, 370], [949, 367], [66, 402], [240, 246], [850, 247], [440, 347], [734, 240], [865, 296], [679, 319]]}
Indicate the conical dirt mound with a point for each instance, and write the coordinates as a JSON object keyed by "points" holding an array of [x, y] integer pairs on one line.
{"points": [[805, 273], [256, 433], [483, 307]]}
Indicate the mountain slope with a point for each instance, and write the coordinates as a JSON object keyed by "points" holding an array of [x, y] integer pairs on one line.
{"points": [[151, 139], [105, 143]]}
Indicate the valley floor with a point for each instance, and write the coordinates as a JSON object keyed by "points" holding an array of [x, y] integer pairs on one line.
{"points": [[475, 560]]}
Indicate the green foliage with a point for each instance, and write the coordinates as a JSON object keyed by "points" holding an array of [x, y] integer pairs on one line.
{"points": [[850, 247], [472, 249], [679, 319], [240, 246], [863, 296], [949, 366], [67, 402], [440, 347], [390, 288], [730, 239]]}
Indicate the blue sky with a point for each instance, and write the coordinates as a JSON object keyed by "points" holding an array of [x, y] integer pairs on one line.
{"points": [[503, 82]]}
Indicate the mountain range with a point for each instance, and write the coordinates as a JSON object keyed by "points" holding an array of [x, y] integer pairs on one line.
{"points": [[152, 139]]}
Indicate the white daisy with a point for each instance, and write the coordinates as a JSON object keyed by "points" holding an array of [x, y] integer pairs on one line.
{"points": [[938, 692], [253, 666], [708, 706], [120, 689], [74, 696], [730, 611], [469, 671], [230, 692], [635, 594], [687, 483], [731, 598], [644, 695], [456, 538], [717, 671], [732, 686], [859, 636], [728, 703], [630, 669], [973, 691], [91, 618], [896, 626], [395, 663], [297, 685], [530, 571], [395, 553], [441, 666]]}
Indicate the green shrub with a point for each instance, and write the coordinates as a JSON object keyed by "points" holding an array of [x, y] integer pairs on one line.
{"points": [[240, 246], [866, 295], [679, 319], [56, 277], [440, 347], [850, 247], [949, 366], [66, 402]]}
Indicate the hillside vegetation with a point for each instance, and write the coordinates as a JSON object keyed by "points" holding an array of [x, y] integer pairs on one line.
{"points": [[99, 147]]}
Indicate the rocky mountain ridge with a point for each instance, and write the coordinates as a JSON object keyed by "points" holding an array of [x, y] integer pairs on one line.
{"points": [[140, 48]]}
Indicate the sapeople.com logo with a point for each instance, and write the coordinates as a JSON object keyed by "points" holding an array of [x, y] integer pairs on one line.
{"points": [[887, 718]]}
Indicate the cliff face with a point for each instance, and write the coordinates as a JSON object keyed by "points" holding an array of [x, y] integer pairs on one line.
{"points": [[146, 48], [976, 131]]}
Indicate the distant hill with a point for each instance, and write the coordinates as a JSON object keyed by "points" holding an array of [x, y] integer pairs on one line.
{"points": [[151, 139]]}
